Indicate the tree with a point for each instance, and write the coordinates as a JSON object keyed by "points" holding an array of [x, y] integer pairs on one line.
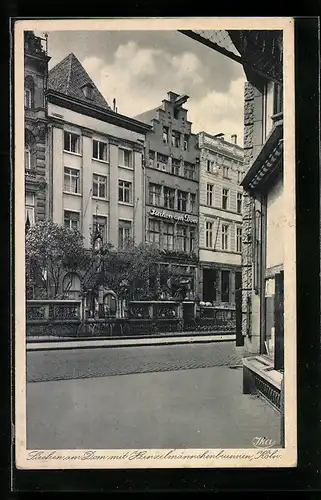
{"points": [[52, 251], [131, 272]]}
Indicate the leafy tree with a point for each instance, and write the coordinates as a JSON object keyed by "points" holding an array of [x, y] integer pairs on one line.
{"points": [[51, 251], [131, 272]]}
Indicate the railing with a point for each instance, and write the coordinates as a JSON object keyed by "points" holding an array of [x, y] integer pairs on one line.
{"points": [[145, 318]]}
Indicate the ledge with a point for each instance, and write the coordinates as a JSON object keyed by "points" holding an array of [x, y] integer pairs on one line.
{"points": [[263, 366]]}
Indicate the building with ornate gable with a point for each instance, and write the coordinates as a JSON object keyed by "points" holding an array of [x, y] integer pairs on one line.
{"points": [[35, 117]]}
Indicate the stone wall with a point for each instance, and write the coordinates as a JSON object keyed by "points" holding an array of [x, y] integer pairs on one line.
{"points": [[247, 208]]}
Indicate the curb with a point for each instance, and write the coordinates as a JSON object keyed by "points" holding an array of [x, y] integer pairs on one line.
{"points": [[61, 346]]}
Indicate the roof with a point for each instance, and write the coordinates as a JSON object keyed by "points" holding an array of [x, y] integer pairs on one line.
{"points": [[69, 76], [147, 116]]}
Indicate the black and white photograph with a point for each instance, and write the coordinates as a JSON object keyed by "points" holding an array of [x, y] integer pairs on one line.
{"points": [[155, 255]]}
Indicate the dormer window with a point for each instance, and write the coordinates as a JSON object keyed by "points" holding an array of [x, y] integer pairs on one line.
{"points": [[88, 91]]}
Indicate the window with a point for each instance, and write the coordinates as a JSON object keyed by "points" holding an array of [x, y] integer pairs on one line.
{"points": [[226, 171], [162, 161], [155, 194], [30, 209], [71, 180], [165, 135], [225, 237], [239, 239], [208, 165], [225, 198], [100, 186], [100, 225], [181, 238], [175, 166], [88, 91], [209, 235], [278, 99], [27, 157], [72, 220], [169, 197], [168, 236], [192, 236], [239, 176], [225, 286], [124, 158], [176, 113], [99, 150], [192, 202], [189, 170], [151, 158], [182, 201], [239, 203], [125, 191], [71, 142], [176, 139], [154, 231], [186, 142], [28, 98], [124, 233], [209, 194]]}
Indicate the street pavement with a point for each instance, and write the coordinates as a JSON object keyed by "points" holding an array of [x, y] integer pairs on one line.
{"points": [[102, 362], [190, 408]]}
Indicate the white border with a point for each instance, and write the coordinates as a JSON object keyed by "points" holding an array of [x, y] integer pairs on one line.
{"points": [[253, 458]]}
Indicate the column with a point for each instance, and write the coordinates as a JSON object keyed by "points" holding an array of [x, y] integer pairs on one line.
{"points": [[219, 285], [139, 233], [232, 288], [113, 195], [87, 210], [57, 175]]}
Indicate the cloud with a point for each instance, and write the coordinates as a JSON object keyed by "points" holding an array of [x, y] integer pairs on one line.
{"points": [[140, 77]]}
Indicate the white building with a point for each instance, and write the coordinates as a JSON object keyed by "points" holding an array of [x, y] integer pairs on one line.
{"points": [[95, 173], [220, 218]]}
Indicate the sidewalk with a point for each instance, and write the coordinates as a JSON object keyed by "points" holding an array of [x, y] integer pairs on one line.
{"points": [[127, 342], [198, 408]]}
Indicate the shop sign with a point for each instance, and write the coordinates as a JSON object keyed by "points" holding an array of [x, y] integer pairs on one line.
{"points": [[174, 217]]}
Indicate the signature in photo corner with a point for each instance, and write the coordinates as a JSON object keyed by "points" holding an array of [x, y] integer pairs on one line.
{"points": [[263, 442]]}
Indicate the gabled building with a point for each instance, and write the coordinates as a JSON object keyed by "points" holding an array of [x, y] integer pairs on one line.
{"points": [[35, 80], [172, 194], [95, 170]]}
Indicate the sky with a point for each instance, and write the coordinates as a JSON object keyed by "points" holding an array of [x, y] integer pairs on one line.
{"points": [[138, 68]]}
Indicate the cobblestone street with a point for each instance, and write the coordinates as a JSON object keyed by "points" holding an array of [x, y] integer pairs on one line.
{"points": [[179, 396], [100, 362]]}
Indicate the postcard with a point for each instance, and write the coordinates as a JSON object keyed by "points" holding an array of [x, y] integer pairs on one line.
{"points": [[155, 259]]}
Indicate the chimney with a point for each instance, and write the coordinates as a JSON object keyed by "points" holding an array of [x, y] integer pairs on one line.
{"points": [[234, 138], [114, 104]]}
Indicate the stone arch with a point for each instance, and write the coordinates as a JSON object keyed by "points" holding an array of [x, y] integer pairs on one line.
{"points": [[110, 303]]}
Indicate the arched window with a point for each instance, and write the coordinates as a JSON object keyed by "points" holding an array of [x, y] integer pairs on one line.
{"points": [[110, 304], [71, 286], [27, 157], [29, 92]]}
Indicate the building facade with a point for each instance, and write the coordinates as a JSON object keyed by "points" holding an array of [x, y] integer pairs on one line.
{"points": [[95, 169], [172, 194], [263, 216], [220, 218], [35, 79]]}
